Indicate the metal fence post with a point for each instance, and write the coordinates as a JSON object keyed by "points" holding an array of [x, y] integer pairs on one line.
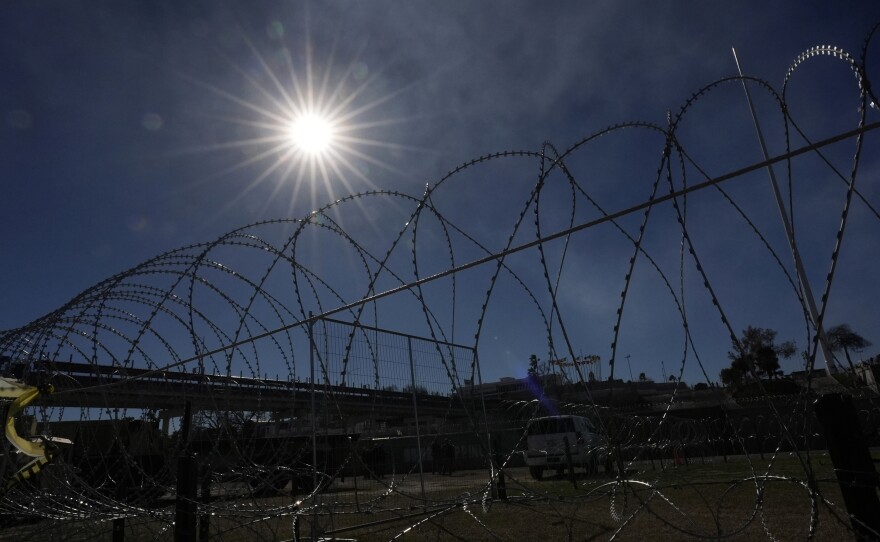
{"points": [[853, 465], [119, 529], [569, 462], [412, 373], [312, 348], [501, 484], [119, 522], [186, 510], [312, 391], [486, 419], [204, 518]]}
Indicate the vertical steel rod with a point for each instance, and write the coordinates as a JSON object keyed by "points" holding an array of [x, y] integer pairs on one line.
{"points": [[789, 232], [412, 373], [489, 441], [312, 348]]}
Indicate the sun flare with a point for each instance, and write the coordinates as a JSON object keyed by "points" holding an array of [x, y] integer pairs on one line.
{"points": [[311, 134], [302, 125]]}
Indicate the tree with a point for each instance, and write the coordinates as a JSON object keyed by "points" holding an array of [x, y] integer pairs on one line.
{"points": [[731, 376], [533, 365], [418, 389], [842, 337], [756, 353]]}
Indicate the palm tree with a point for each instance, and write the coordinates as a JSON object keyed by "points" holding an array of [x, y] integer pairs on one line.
{"points": [[842, 337]]}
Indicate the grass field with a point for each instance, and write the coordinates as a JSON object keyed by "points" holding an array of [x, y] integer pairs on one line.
{"points": [[738, 499], [734, 500]]}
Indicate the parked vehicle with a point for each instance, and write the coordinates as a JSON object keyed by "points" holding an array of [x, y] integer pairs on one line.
{"points": [[547, 439]]}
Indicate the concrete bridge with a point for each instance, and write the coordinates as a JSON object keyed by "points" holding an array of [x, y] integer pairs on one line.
{"points": [[85, 385]]}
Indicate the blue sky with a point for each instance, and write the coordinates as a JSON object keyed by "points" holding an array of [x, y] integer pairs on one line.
{"points": [[132, 129]]}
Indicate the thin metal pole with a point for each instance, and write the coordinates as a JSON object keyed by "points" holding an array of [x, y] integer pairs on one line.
{"points": [[789, 232], [312, 347], [412, 373], [314, 420], [486, 419]]}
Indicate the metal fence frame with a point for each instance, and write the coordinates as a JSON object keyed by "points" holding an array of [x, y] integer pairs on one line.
{"points": [[320, 360]]}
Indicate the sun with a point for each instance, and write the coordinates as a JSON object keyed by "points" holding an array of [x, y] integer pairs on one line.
{"points": [[302, 125], [311, 134]]}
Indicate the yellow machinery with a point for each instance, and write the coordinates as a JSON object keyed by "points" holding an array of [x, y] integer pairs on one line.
{"points": [[40, 449]]}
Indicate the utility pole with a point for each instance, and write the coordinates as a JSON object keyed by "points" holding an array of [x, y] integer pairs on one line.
{"points": [[630, 368]]}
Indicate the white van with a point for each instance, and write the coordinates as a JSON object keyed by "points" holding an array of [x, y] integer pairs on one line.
{"points": [[546, 438]]}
